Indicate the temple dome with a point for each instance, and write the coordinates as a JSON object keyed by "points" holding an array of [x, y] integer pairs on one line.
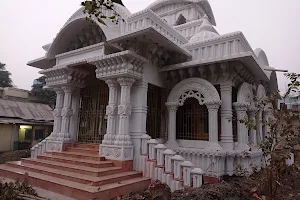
{"points": [[206, 31]]}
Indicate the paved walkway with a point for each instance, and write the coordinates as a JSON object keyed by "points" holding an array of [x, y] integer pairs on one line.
{"points": [[43, 193]]}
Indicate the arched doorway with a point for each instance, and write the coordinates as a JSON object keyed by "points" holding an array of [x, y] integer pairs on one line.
{"points": [[92, 113]]}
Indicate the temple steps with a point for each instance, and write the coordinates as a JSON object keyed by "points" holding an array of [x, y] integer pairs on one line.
{"points": [[72, 176], [83, 150], [92, 171], [79, 155], [76, 161], [77, 174]]}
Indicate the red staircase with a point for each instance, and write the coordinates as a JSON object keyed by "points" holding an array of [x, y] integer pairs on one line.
{"points": [[79, 172]]}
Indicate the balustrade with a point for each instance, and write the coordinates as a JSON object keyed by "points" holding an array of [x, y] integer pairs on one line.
{"points": [[162, 164]]}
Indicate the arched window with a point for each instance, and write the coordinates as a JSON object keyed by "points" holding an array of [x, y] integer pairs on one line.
{"points": [[181, 20], [192, 121], [154, 112]]}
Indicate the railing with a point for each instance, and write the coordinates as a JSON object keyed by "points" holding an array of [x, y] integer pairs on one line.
{"points": [[39, 148], [160, 163]]}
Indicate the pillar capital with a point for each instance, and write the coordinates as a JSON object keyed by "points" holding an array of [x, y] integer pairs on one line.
{"points": [[68, 89], [213, 105], [240, 106], [172, 106], [226, 86], [126, 81], [112, 83], [58, 90]]}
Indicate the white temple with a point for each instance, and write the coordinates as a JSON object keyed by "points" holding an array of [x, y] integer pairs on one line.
{"points": [[162, 79]]}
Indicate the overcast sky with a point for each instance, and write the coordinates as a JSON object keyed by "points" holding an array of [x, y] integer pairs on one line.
{"points": [[27, 25]]}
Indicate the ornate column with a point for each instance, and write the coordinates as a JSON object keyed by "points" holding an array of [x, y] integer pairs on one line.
{"points": [[241, 111], [57, 113], [267, 118], [138, 120], [122, 148], [253, 134], [172, 110], [111, 112], [259, 126], [124, 111], [66, 113], [226, 116], [75, 117], [213, 108]]}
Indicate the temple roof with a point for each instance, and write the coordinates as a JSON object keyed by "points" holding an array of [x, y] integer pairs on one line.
{"points": [[206, 31], [204, 3]]}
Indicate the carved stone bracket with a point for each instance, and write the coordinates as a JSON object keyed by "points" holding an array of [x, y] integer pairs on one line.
{"points": [[64, 75], [125, 63]]}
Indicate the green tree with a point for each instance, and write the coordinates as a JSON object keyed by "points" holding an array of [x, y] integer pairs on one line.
{"points": [[98, 8], [5, 80], [42, 94]]}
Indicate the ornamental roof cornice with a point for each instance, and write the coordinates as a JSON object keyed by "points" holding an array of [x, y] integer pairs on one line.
{"points": [[219, 39], [148, 13]]}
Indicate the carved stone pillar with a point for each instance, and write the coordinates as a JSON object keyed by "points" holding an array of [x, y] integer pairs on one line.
{"points": [[259, 128], [138, 120], [111, 112], [241, 111], [172, 110], [66, 113], [124, 111], [122, 148], [226, 116], [267, 118], [57, 113], [252, 134], [213, 108]]}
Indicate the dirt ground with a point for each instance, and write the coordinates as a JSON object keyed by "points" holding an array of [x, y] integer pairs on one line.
{"points": [[14, 155], [236, 188]]}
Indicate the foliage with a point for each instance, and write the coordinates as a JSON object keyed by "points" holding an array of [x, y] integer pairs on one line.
{"points": [[281, 138], [17, 190], [5, 80], [99, 9], [41, 94]]}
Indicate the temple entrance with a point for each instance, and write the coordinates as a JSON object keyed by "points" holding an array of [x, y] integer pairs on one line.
{"points": [[92, 114]]}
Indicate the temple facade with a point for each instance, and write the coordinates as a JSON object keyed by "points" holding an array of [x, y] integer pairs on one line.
{"points": [[162, 78]]}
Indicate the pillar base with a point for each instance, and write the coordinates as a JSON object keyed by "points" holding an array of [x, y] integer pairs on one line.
{"points": [[213, 146], [58, 146], [115, 152], [242, 147], [171, 144]]}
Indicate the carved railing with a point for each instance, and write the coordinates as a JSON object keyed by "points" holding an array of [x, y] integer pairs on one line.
{"points": [[160, 163], [39, 148]]}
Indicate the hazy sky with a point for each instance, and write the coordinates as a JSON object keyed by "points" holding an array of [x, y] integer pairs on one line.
{"points": [[27, 25]]}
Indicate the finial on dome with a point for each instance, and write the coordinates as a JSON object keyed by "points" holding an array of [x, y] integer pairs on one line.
{"points": [[206, 31], [206, 25]]}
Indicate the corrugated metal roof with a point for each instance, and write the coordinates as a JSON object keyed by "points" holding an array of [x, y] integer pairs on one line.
{"points": [[27, 111], [23, 122]]}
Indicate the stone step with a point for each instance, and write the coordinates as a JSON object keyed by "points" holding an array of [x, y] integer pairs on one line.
{"points": [[76, 161], [90, 146], [91, 171], [76, 190], [72, 176], [79, 155], [83, 150]]}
